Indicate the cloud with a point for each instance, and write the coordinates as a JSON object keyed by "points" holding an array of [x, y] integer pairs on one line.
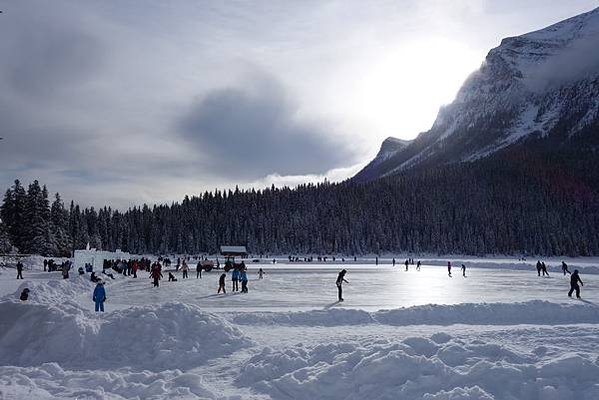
{"points": [[579, 60], [257, 129]]}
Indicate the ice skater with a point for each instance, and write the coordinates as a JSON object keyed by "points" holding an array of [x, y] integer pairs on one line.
{"points": [[19, 270], [574, 281], [260, 273], [171, 277], [544, 269], [235, 280], [199, 270], [407, 264], [185, 269], [449, 268], [156, 275], [539, 267], [463, 270], [339, 283], [565, 268], [418, 265], [99, 296], [221, 284], [243, 277]]}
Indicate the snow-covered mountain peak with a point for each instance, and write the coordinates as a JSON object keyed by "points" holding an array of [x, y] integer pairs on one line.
{"points": [[541, 84]]}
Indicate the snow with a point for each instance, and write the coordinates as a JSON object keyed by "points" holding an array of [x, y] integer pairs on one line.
{"points": [[501, 333]]}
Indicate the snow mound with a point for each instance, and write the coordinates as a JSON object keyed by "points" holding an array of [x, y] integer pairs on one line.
{"points": [[51, 381], [329, 317], [418, 368], [156, 338], [531, 312]]}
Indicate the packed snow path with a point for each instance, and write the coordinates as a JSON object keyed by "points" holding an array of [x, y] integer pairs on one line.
{"points": [[497, 334]]}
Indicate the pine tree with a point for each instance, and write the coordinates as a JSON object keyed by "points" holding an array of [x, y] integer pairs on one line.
{"points": [[38, 236], [59, 219]]}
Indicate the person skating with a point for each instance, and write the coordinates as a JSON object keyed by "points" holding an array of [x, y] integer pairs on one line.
{"points": [[171, 277], [185, 269], [156, 275], [539, 267], [463, 270], [544, 269], [24, 294], [418, 265], [235, 280], [135, 268], [19, 270], [565, 268], [574, 281], [243, 277], [221, 283], [407, 264], [339, 283], [449, 268], [394, 261], [99, 296], [199, 270], [260, 273]]}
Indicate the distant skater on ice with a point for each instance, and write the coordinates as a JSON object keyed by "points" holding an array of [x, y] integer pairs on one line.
{"points": [[574, 281], [221, 283], [449, 268], [19, 270], [339, 283], [565, 268]]}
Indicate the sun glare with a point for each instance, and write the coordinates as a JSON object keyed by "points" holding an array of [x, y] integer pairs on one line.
{"points": [[403, 89]]}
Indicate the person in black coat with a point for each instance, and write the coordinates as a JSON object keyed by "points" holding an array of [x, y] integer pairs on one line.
{"points": [[24, 294], [574, 280], [221, 283], [339, 283], [19, 270]]}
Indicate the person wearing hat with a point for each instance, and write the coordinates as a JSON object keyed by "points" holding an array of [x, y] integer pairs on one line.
{"points": [[99, 296]]}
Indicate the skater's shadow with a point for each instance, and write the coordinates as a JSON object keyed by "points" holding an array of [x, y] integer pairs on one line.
{"points": [[332, 305], [218, 295], [588, 302]]}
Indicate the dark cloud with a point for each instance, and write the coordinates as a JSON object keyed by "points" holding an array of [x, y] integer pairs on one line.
{"points": [[256, 130], [46, 54]]}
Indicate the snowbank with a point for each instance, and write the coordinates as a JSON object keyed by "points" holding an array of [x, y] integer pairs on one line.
{"points": [[50, 381], [166, 336], [418, 368], [531, 312]]}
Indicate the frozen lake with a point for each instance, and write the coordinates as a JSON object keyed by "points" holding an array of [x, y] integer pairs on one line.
{"points": [[370, 288]]}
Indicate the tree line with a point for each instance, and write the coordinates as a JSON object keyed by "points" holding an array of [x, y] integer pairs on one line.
{"points": [[521, 203]]}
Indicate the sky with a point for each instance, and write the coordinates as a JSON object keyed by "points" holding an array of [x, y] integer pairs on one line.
{"points": [[128, 102]]}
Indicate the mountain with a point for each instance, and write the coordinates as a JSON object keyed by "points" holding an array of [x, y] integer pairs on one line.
{"points": [[539, 90]]}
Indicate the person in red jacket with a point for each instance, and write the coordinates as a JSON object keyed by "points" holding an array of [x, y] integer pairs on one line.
{"points": [[135, 268], [156, 274]]}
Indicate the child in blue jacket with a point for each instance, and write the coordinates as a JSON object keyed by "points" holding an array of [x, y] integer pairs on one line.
{"points": [[99, 296]]}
